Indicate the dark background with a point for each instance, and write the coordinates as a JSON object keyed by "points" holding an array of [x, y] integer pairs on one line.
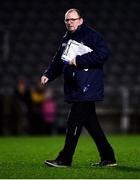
{"points": [[30, 33]]}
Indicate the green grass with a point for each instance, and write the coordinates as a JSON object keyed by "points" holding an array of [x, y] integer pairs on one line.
{"points": [[22, 158]]}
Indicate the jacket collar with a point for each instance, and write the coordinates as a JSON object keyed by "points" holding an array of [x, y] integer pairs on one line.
{"points": [[78, 30]]}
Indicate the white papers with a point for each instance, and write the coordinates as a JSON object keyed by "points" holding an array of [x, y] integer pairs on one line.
{"points": [[74, 48]]}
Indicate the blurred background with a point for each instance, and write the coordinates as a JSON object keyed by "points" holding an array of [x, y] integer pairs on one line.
{"points": [[30, 33]]}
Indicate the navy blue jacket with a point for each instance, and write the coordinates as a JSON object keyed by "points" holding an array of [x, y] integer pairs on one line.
{"points": [[81, 85]]}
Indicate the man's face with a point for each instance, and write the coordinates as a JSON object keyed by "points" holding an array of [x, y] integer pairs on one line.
{"points": [[72, 21]]}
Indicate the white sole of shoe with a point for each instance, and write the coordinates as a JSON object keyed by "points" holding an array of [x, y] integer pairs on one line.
{"points": [[108, 165], [112, 165], [54, 165]]}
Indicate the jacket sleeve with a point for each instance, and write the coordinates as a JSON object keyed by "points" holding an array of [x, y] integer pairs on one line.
{"points": [[97, 57], [55, 68]]}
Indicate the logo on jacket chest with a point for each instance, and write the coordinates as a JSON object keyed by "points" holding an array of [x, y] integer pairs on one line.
{"points": [[64, 44]]}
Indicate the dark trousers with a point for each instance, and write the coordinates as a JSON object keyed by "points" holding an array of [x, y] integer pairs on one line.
{"points": [[84, 114]]}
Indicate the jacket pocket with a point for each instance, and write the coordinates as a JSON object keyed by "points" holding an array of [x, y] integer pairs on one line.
{"points": [[82, 81]]}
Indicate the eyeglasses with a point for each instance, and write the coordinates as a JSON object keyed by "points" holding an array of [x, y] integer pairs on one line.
{"points": [[71, 20]]}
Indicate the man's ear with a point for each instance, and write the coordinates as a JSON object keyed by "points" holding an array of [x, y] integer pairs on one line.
{"points": [[81, 21]]}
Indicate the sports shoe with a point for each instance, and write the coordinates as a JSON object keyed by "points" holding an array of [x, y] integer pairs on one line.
{"points": [[105, 163], [56, 163]]}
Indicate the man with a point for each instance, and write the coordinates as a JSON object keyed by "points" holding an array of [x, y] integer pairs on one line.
{"points": [[83, 86]]}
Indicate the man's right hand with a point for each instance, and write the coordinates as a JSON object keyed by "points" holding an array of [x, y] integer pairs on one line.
{"points": [[44, 80]]}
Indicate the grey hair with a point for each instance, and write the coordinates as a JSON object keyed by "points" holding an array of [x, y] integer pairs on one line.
{"points": [[76, 10]]}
